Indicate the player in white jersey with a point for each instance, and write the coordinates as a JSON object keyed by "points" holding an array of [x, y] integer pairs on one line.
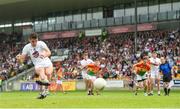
{"points": [[39, 54], [154, 73], [88, 82]]}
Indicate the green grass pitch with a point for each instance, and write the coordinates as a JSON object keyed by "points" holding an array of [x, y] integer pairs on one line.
{"points": [[79, 99]]}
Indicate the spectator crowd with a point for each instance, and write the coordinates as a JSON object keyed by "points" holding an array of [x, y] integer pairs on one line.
{"points": [[116, 53], [9, 67]]}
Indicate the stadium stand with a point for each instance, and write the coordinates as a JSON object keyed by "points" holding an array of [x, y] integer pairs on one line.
{"points": [[9, 67], [116, 51]]}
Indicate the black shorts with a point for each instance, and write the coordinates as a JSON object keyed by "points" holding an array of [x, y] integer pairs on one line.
{"points": [[141, 80], [167, 78]]}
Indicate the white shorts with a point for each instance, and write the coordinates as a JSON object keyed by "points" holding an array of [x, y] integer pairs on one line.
{"points": [[89, 77], [155, 74], [141, 78], [44, 64], [84, 74], [59, 82]]}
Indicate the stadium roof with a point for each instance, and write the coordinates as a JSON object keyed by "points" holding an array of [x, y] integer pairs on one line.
{"points": [[26, 9]]}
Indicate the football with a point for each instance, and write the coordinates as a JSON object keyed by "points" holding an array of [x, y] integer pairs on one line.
{"points": [[100, 84]]}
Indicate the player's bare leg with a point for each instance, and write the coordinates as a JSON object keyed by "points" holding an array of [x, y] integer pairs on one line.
{"points": [[91, 87], [48, 73], [150, 86], [41, 72], [86, 84], [138, 85], [136, 89], [61, 88], [145, 84], [158, 86]]}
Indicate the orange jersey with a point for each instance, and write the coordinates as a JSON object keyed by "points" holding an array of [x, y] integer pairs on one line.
{"points": [[176, 69], [142, 66], [94, 68], [59, 73]]}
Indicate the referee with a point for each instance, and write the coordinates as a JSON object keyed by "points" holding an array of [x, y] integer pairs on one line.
{"points": [[165, 69]]}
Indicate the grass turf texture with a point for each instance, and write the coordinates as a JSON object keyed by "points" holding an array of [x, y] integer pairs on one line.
{"points": [[79, 99]]}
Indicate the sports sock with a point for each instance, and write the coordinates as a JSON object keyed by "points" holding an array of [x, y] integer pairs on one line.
{"points": [[165, 90], [168, 91]]}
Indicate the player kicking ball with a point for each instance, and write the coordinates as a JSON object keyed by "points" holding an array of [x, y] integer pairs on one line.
{"points": [[39, 54]]}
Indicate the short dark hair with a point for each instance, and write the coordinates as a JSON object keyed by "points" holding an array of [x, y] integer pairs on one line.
{"points": [[33, 36], [155, 52], [85, 54], [143, 54]]}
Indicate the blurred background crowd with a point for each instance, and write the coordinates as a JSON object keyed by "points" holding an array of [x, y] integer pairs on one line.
{"points": [[115, 53]]}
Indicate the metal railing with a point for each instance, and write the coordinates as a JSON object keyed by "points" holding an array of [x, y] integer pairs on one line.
{"points": [[8, 85]]}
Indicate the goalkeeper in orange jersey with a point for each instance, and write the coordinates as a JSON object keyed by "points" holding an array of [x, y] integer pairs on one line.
{"points": [[59, 77], [141, 69]]}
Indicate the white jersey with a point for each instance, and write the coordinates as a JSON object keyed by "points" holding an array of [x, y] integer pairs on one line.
{"points": [[155, 68], [33, 52], [84, 62]]}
